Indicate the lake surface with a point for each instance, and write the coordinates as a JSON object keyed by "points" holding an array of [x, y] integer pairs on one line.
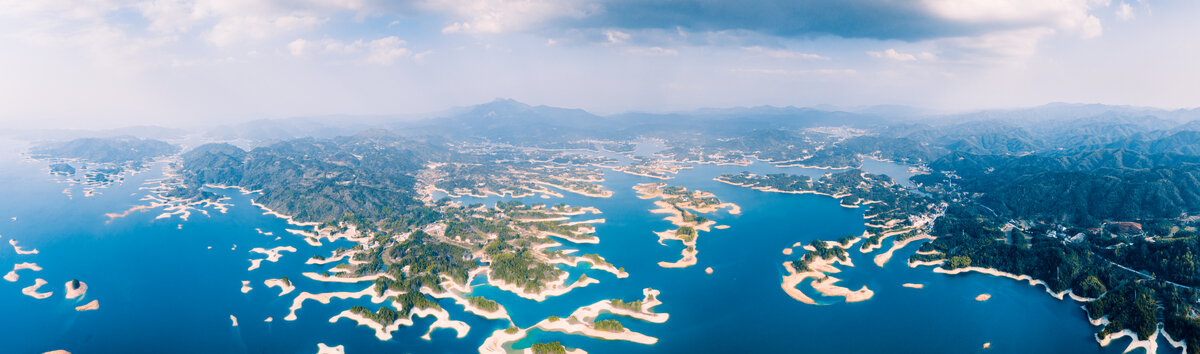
{"points": [[162, 289]]}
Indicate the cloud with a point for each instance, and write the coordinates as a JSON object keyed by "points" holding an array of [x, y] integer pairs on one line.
{"points": [[1068, 15], [249, 28], [298, 46], [892, 54], [383, 51], [1125, 12], [497, 16], [386, 50], [1006, 24], [616, 37], [794, 72], [784, 54], [652, 51]]}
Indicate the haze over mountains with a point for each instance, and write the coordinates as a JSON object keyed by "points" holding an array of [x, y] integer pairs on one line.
{"points": [[1062, 121]]}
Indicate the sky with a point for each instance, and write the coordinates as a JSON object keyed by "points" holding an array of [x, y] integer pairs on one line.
{"points": [[94, 63]]}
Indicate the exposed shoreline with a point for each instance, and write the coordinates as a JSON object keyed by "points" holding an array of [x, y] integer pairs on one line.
{"points": [[284, 288], [76, 292], [12, 275], [32, 289]]}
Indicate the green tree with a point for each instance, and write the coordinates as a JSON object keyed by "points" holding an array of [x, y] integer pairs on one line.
{"points": [[960, 262]]}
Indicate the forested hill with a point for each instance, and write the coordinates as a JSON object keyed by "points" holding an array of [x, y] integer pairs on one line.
{"points": [[105, 150], [320, 180], [1083, 188]]}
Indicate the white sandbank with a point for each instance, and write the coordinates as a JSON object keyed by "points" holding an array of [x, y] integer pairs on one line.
{"points": [[76, 292], [1150, 345], [914, 264], [32, 290], [254, 264], [284, 287], [569, 351], [983, 297], [245, 286], [553, 288], [500, 313], [94, 305], [708, 270], [443, 321], [817, 270], [12, 275], [268, 211], [787, 251], [646, 313], [914, 285], [794, 279], [325, 349], [607, 267], [1033, 282], [335, 258], [234, 319], [825, 286], [882, 258], [324, 298], [576, 327], [499, 340], [592, 240], [383, 332], [19, 250], [337, 279], [274, 253]]}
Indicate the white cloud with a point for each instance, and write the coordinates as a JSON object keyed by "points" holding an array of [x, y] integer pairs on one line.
{"points": [[386, 50], [496, 16], [996, 47], [238, 29], [652, 51], [1125, 12], [1067, 15], [616, 37], [298, 46], [792, 72], [892, 54], [784, 54]]}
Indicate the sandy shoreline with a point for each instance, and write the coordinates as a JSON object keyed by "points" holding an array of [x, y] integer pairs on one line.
{"points": [[76, 292], [825, 287], [32, 290], [553, 288], [12, 275], [324, 298], [883, 258], [94, 305], [284, 288], [20, 250], [325, 349], [1032, 282], [818, 268], [337, 279]]}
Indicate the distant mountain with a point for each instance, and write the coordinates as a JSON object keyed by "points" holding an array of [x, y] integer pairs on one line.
{"points": [[105, 150], [141, 131], [1151, 118]]}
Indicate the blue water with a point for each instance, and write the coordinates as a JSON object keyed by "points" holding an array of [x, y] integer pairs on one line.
{"points": [[161, 289]]}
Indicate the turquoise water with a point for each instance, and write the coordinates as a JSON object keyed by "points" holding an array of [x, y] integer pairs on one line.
{"points": [[161, 289]]}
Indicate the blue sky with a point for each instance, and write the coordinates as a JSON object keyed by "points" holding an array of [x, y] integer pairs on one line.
{"points": [[101, 62]]}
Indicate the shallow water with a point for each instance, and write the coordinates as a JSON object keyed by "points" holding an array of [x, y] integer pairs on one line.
{"points": [[161, 289]]}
